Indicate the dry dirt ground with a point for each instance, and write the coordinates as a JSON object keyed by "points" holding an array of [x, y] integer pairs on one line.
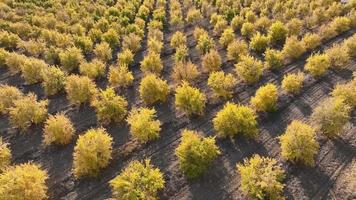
{"points": [[333, 177]]}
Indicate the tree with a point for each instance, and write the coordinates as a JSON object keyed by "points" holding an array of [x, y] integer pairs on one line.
{"points": [[151, 63], [277, 33], [71, 58], [317, 64], [266, 98], [347, 92], [273, 59], [330, 116], [292, 83], [222, 84], [143, 125], [211, 61], [261, 178], [93, 69], [299, 144], [24, 181], [153, 89], [27, 110], [195, 153], [235, 119], [249, 69], [53, 80], [92, 152], [120, 76], [5, 156], [189, 99], [58, 129], [80, 89], [109, 106], [236, 50], [139, 180], [8, 95]]}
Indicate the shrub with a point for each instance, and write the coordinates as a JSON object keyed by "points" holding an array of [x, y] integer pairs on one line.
{"points": [[5, 156], [181, 54], [195, 153], [350, 44], [154, 46], [139, 180], [95, 34], [235, 119], [93, 69], [178, 39], [185, 71], [71, 58], [345, 91], [205, 43], [199, 32], [261, 178], [263, 23], [110, 107], [294, 26], [92, 152], [51, 55], [277, 33], [84, 43], [3, 55], [126, 57], [15, 61], [211, 61], [330, 116], [194, 16], [8, 95], [25, 181], [120, 76], [103, 52], [236, 50], [299, 144], [219, 27], [266, 98], [259, 43], [131, 42], [80, 89], [227, 37], [32, 70], [248, 29], [58, 129], [111, 37], [340, 24], [222, 84], [151, 63], [32, 47], [236, 22], [328, 32], [317, 64], [249, 69], [9, 40], [28, 110], [273, 59], [311, 41], [339, 57], [189, 99], [293, 48], [153, 89], [143, 125], [292, 83], [53, 80]]}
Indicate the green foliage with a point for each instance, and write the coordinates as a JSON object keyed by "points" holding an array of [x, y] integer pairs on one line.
{"points": [[266, 98], [111, 37], [93, 69], [53, 80], [236, 22], [293, 48], [15, 61], [195, 153], [299, 144], [84, 43], [259, 43], [235, 119], [248, 29], [71, 58], [222, 84], [227, 37], [103, 52], [154, 46], [3, 55], [178, 39], [294, 26], [23, 182], [249, 69], [185, 71], [350, 44], [219, 27], [261, 178], [346, 91], [236, 50], [8, 95], [340, 24], [9, 40], [330, 116], [339, 57], [5, 156], [153, 89], [143, 125], [181, 54], [189, 99], [131, 42], [205, 43], [58, 130], [27, 110], [126, 57], [80, 89], [277, 33], [317, 64], [32, 70], [120, 76], [193, 16], [151, 63], [292, 83], [92, 152], [211, 61], [311, 41], [109, 106], [139, 180], [273, 59]]}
